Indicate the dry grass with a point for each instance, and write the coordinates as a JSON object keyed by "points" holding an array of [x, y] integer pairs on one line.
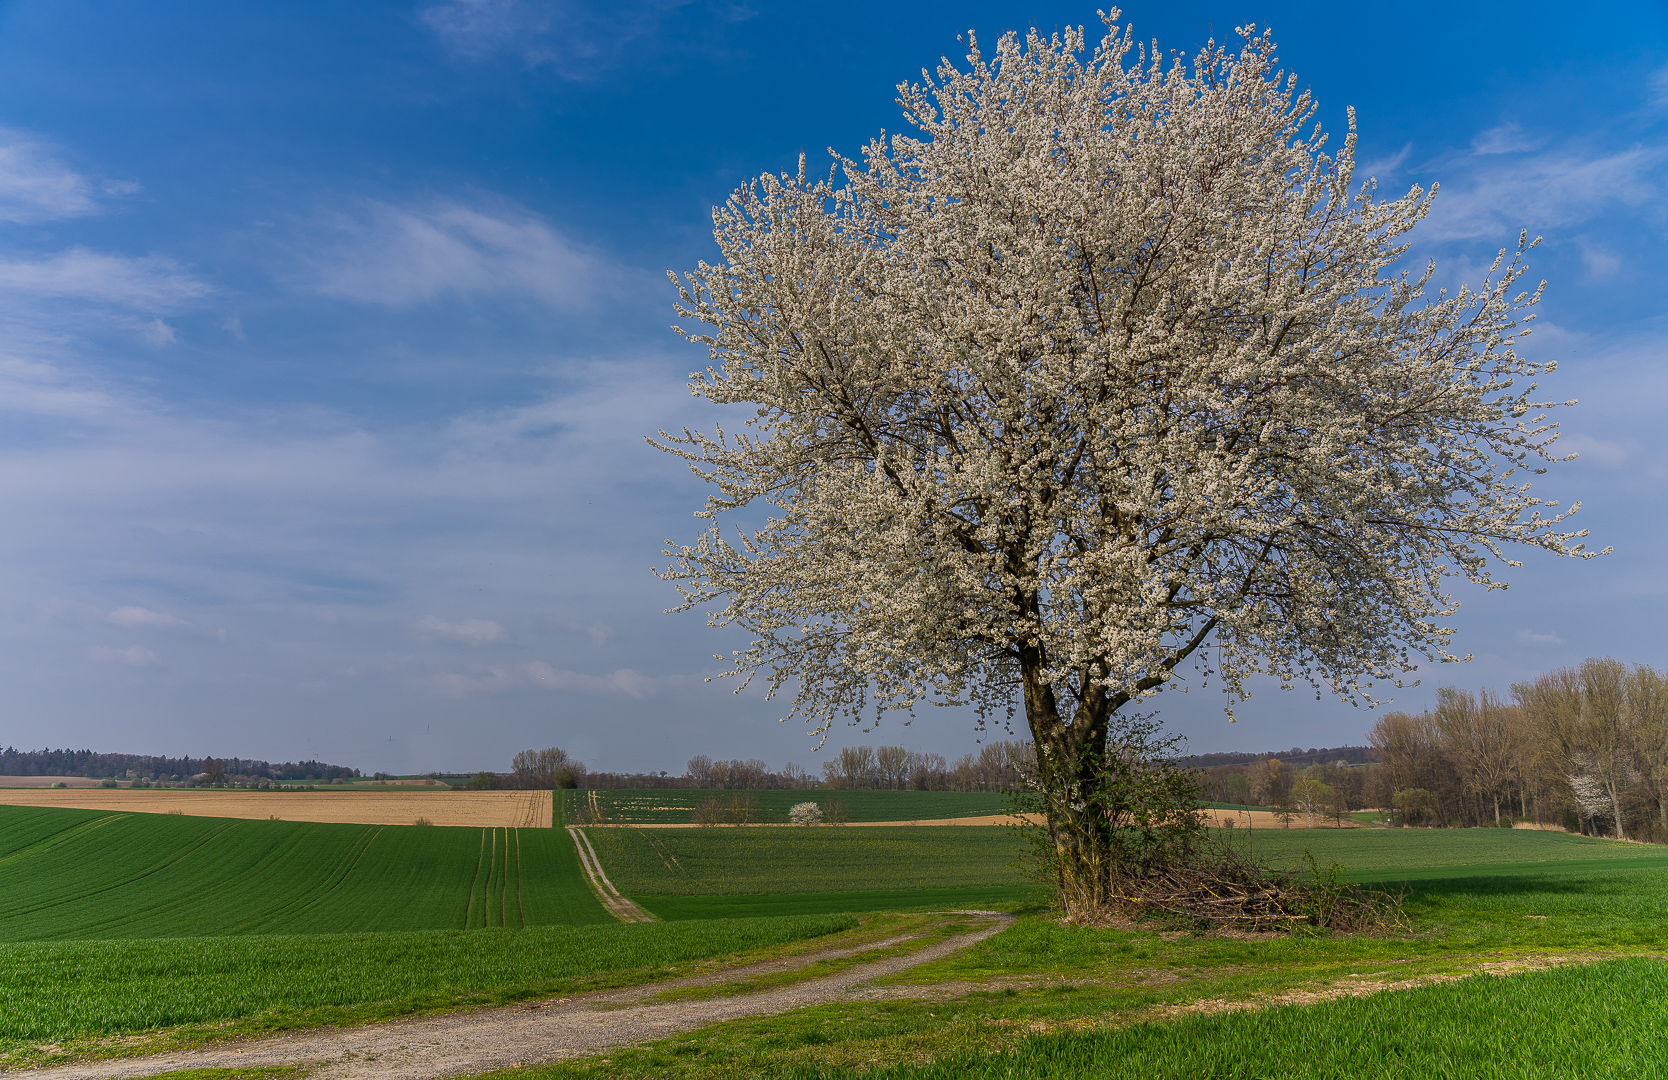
{"points": [[480, 809]]}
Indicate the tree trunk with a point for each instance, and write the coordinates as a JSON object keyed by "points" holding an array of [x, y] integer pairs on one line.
{"points": [[1070, 759]]}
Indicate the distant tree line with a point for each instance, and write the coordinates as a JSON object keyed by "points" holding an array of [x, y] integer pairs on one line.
{"points": [[998, 766], [86, 763], [1296, 757], [1583, 747]]}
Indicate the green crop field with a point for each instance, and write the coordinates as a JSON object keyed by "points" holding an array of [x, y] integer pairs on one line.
{"points": [[1601, 1020], [91, 874], [1054, 1000], [674, 806], [702, 873], [1392, 854], [54, 990]]}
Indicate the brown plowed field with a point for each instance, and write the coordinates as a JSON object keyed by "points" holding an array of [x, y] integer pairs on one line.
{"points": [[504, 809]]}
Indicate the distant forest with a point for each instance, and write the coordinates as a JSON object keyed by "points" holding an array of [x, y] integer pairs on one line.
{"points": [[1349, 755], [86, 763]]}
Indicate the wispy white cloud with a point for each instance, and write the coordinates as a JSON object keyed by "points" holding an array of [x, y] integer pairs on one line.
{"points": [[1605, 453], [469, 631], [1535, 637], [1657, 87], [574, 40], [32, 386], [400, 256], [500, 678], [149, 284], [35, 186], [1600, 262], [133, 655], [1555, 188], [138, 616], [1505, 139]]}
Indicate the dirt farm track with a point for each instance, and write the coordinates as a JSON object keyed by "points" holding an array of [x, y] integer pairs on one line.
{"points": [[503, 809]]}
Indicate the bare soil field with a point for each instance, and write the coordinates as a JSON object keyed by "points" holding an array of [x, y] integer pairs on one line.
{"points": [[1266, 819], [479, 809]]}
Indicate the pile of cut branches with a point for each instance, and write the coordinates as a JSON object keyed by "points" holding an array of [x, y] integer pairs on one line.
{"points": [[1222, 888]]}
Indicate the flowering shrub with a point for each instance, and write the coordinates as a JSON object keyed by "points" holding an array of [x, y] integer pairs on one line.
{"points": [[805, 813]]}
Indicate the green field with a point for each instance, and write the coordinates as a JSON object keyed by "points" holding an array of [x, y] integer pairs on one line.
{"points": [[674, 806], [126, 923], [1414, 854], [705, 873], [1045, 999], [1601, 1020], [92, 874], [54, 990]]}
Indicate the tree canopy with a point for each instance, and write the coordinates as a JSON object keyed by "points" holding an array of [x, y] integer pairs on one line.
{"points": [[1107, 359]]}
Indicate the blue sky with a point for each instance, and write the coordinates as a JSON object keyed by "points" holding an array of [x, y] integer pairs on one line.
{"points": [[329, 335]]}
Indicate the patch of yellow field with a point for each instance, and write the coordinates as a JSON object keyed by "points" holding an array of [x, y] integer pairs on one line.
{"points": [[503, 809]]}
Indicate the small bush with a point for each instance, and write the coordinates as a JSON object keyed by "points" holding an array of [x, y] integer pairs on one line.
{"points": [[709, 811], [422, 821], [805, 813], [60, 783], [737, 810], [835, 813]]}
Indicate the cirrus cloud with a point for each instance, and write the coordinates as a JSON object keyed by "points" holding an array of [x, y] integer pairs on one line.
{"points": [[401, 256]]}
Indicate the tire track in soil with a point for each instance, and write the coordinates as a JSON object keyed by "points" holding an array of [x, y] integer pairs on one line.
{"points": [[464, 1043], [611, 897]]}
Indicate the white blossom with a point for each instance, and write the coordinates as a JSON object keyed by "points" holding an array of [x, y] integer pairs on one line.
{"points": [[1107, 361]]}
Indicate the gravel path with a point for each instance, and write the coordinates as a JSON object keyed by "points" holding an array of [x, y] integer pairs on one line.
{"points": [[458, 1044]]}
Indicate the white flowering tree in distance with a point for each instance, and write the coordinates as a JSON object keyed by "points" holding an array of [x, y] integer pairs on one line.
{"points": [[1106, 362]]}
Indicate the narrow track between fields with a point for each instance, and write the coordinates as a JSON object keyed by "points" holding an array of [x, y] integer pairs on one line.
{"points": [[459, 1044], [612, 899]]}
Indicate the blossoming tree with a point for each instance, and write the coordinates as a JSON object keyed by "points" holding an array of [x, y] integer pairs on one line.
{"points": [[1105, 362]]}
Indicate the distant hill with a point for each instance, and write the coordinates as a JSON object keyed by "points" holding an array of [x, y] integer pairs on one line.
{"points": [[14, 762]]}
